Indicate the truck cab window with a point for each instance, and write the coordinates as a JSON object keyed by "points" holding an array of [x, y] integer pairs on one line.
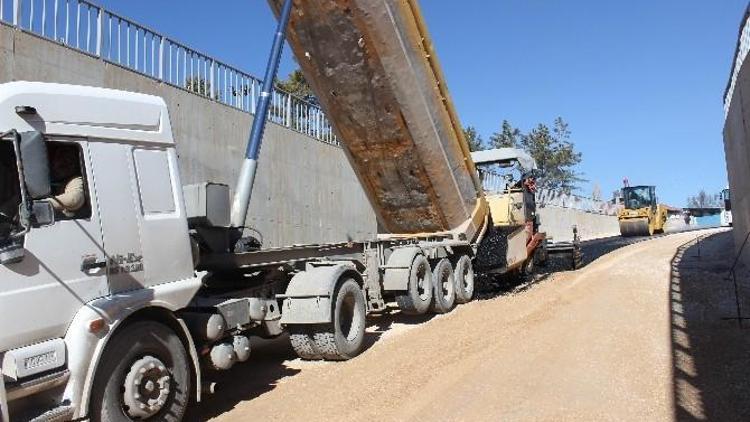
{"points": [[10, 191], [69, 189]]}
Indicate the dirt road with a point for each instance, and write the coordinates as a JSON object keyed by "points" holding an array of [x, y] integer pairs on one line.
{"points": [[606, 342]]}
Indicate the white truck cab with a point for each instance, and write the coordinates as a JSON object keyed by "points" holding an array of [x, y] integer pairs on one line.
{"points": [[67, 282]]}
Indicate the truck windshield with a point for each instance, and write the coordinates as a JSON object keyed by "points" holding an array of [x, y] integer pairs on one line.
{"points": [[10, 192], [637, 197], [497, 179]]}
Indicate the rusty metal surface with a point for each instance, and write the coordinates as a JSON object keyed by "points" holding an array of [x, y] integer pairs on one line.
{"points": [[372, 67]]}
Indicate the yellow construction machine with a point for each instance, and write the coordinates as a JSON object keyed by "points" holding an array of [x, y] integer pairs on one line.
{"points": [[641, 214]]}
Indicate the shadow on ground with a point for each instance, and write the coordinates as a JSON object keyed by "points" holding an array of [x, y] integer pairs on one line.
{"points": [[710, 355], [246, 380], [269, 364]]}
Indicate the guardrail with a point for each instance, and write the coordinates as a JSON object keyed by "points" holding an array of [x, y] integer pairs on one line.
{"points": [[91, 29]]}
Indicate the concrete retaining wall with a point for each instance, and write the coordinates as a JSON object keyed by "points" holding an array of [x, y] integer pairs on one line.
{"points": [[737, 150], [558, 224], [305, 191]]}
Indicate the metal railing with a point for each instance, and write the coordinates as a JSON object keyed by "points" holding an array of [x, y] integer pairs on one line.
{"points": [[546, 197], [91, 29]]}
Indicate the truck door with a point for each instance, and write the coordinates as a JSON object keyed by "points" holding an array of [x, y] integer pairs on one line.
{"points": [[63, 266], [116, 193], [143, 221]]}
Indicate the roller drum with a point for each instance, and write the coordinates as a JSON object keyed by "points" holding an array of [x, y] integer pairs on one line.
{"points": [[636, 227]]}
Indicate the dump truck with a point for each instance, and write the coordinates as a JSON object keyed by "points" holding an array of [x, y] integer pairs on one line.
{"points": [[641, 215], [123, 308]]}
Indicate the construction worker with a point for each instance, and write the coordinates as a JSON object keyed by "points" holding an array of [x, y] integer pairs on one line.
{"points": [[67, 182]]}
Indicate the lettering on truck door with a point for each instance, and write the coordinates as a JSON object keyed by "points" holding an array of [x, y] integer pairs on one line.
{"points": [[115, 187]]}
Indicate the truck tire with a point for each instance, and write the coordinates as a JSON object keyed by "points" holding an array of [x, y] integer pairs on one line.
{"points": [[343, 339], [445, 287], [418, 297], [303, 342], [464, 277], [144, 373]]}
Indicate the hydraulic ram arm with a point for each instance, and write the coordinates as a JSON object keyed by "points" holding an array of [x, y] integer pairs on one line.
{"points": [[250, 164]]}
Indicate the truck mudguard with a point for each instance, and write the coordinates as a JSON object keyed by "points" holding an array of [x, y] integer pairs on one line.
{"points": [[397, 270], [85, 348], [309, 296]]}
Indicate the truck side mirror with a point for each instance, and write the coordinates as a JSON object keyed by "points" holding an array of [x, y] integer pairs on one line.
{"points": [[35, 165]]}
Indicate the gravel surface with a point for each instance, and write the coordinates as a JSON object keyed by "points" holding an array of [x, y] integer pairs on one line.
{"points": [[609, 341]]}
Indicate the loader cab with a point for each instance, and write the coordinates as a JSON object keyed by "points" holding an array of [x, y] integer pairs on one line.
{"points": [[508, 182], [638, 197]]}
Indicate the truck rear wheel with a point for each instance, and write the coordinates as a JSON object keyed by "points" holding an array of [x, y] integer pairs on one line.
{"points": [[144, 373], [343, 339], [303, 342], [418, 297], [445, 287], [464, 277]]}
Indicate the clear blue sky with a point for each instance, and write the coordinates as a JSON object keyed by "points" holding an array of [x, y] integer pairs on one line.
{"points": [[640, 82]]}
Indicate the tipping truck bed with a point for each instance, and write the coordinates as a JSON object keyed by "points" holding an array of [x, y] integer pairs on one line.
{"points": [[373, 67]]}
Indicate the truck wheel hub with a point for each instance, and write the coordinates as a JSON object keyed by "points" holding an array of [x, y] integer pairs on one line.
{"points": [[146, 389]]}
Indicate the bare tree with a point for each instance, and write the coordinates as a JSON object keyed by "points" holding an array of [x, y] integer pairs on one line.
{"points": [[704, 200]]}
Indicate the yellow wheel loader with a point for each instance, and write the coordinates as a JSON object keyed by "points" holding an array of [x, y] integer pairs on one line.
{"points": [[641, 215]]}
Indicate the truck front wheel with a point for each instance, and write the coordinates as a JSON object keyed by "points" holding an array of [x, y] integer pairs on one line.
{"points": [[144, 373]]}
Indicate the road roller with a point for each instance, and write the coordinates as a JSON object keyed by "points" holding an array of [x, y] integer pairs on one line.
{"points": [[641, 214]]}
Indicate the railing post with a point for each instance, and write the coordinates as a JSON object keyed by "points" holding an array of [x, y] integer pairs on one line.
{"points": [[54, 24], [99, 35], [288, 118], [44, 17], [212, 80], [78, 26], [16, 12], [253, 82], [161, 59], [67, 22]]}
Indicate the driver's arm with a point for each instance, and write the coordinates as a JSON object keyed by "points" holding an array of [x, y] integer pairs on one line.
{"points": [[72, 198]]}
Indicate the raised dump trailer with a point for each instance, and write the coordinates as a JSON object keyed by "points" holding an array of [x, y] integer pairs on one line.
{"points": [[373, 67], [123, 307]]}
